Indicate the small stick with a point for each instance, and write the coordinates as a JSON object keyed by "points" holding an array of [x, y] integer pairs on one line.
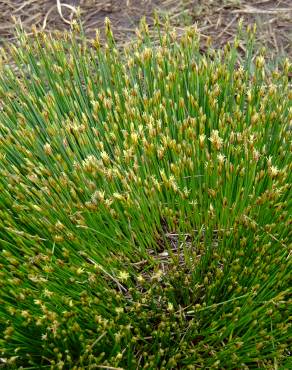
{"points": [[251, 10], [227, 27]]}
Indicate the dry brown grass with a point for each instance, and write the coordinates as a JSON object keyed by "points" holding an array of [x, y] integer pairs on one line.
{"points": [[218, 19], [214, 18]]}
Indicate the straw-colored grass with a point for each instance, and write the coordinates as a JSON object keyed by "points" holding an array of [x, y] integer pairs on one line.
{"points": [[214, 18]]}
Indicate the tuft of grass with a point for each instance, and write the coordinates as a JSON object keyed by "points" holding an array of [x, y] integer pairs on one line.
{"points": [[144, 204]]}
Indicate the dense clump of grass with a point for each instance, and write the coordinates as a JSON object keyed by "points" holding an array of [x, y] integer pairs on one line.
{"points": [[144, 205]]}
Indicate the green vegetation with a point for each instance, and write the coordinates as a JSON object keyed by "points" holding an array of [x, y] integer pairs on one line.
{"points": [[144, 205]]}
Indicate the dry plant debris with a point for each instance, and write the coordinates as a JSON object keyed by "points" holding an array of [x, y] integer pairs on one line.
{"points": [[215, 18]]}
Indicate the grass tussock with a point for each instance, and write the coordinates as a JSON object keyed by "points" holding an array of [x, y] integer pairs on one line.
{"points": [[144, 205]]}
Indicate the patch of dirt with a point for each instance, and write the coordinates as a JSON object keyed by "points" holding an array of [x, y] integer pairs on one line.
{"points": [[215, 18], [273, 18], [56, 14]]}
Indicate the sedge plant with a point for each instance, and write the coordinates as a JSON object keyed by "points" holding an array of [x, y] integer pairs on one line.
{"points": [[144, 204]]}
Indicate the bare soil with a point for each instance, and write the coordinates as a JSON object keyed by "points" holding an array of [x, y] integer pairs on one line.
{"points": [[215, 18]]}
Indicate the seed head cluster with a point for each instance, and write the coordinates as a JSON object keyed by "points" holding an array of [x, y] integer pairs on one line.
{"points": [[145, 217]]}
